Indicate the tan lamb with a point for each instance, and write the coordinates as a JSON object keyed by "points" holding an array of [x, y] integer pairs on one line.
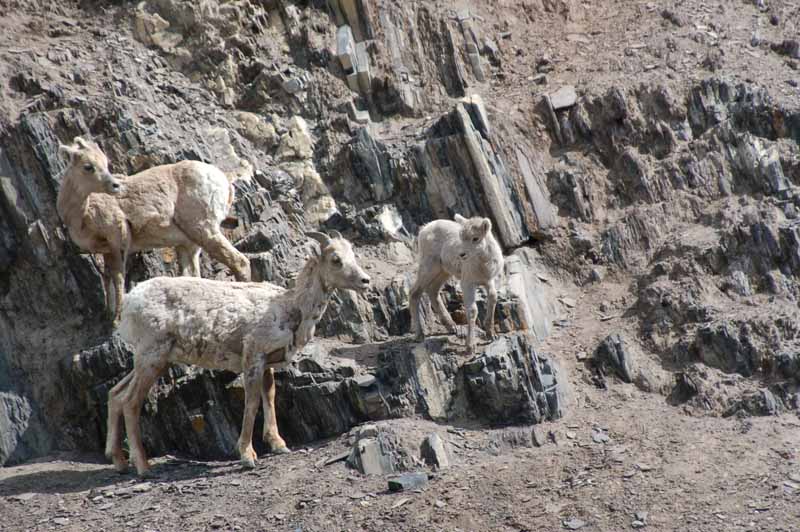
{"points": [[464, 249], [240, 327], [180, 205]]}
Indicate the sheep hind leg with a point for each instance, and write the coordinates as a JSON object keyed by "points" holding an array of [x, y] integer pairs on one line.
{"points": [[491, 303], [113, 434], [145, 374], [426, 275], [270, 433], [252, 391], [219, 248], [438, 305]]}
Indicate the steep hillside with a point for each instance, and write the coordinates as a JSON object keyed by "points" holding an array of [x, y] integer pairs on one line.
{"points": [[639, 162]]}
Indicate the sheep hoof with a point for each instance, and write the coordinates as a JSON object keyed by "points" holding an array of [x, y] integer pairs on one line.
{"points": [[147, 473], [248, 463], [281, 450], [120, 467]]}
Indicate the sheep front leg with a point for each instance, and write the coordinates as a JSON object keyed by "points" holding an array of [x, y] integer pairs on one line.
{"points": [[471, 310], [491, 303], [115, 265], [252, 390], [270, 433]]}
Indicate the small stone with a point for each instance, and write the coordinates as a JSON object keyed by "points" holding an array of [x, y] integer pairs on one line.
{"points": [[774, 19], [568, 302], [629, 474], [106, 506], [61, 521], [571, 435], [581, 356], [439, 503], [595, 275], [563, 97], [794, 476], [599, 436], [538, 436], [792, 82], [22, 497], [644, 467], [143, 487], [408, 481], [638, 524], [573, 523], [641, 516], [434, 453], [400, 503], [293, 85]]}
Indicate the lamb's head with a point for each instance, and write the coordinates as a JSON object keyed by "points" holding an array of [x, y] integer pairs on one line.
{"points": [[473, 234], [88, 167], [337, 263]]}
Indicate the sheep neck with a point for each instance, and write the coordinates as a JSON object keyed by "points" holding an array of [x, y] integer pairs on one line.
{"points": [[310, 294], [71, 203]]}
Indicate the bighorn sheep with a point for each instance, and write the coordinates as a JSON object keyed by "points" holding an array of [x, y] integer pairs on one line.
{"points": [[179, 205], [240, 327], [467, 250]]}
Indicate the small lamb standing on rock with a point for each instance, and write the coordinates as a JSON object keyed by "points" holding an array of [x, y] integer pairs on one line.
{"points": [[179, 205], [239, 327], [467, 250]]}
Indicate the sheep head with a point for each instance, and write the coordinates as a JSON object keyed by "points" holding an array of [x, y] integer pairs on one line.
{"points": [[88, 167], [337, 263], [473, 234]]}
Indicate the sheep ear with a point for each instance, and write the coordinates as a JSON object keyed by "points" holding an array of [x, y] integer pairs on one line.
{"points": [[486, 226], [69, 151], [323, 239], [335, 234], [460, 219]]}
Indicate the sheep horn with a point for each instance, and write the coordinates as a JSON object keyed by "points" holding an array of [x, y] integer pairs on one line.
{"points": [[335, 234], [323, 239]]}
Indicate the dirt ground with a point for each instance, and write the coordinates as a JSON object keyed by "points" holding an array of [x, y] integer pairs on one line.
{"points": [[662, 467]]}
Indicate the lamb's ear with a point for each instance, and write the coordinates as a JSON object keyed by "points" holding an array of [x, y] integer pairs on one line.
{"points": [[323, 239], [460, 219], [335, 234], [486, 226], [68, 151]]}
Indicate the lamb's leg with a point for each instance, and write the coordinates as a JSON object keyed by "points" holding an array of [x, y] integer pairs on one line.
{"points": [[113, 434], [145, 373], [471, 310], [252, 387], [438, 305], [270, 433], [189, 259], [426, 274], [491, 303], [215, 243]]}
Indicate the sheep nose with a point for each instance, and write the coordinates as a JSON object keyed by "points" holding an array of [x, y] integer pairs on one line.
{"points": [[462, 255], [365, 281], [115, 187]]}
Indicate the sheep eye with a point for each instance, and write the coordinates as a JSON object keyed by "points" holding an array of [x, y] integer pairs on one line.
{"points": [[336, 261], [88, 167], [475, 239]]}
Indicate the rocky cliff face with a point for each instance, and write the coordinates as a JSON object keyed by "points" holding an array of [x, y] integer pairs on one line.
{"points": [[372, 118]]}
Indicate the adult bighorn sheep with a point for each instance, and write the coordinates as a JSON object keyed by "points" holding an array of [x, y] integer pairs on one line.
{"points": [[465, 249], [179, 205], [240, 327]]}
